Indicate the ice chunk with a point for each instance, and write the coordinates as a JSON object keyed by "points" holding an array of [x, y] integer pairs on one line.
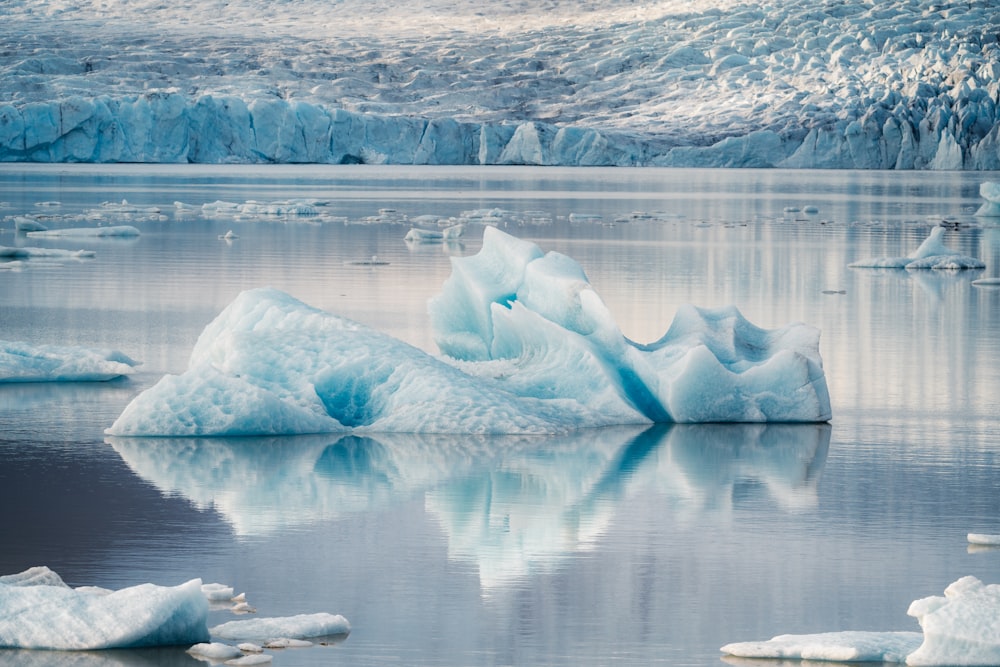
{"points": [[961, 628], [533, 350], [984, 539], [848, 646], [38, 611], [215, 651], [24, 362], [43, 253], [113, 230], [931, 254], [990, 191], [302, 626]]}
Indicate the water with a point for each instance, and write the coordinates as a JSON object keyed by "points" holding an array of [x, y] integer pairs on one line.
{"points": [[624, 546]]}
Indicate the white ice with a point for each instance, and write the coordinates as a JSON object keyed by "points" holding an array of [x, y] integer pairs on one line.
{"points": [[904, 84], [931, 254], [86, 232], [27, 362], [990, 191], [39, 611], [529, 348], [28, 252], [984, 539], [960, 628], [302, 626]]}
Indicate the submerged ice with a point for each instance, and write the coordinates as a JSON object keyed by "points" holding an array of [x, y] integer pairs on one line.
{"points": [[529, 347]]}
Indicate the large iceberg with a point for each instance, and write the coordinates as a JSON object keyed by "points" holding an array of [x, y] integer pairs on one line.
{"points": [[961, 628], [39, 611], [529, 348], [897, 84]]}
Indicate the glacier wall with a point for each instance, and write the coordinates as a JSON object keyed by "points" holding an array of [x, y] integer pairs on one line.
{"points": [[925, 130]]}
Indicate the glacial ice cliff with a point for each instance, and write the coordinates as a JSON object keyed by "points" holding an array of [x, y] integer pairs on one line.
{"points": [[903, 84]]}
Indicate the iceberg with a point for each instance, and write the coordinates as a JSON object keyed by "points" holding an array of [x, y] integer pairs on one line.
{"points": [[25, 362], [87, 232], [528, 345], [39, 611], [990, 191], [7, 252], [931, 254], [961, 628]]}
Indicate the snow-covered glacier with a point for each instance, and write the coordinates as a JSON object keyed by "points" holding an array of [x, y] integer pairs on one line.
{"points": [[901, 84], [528, 347]]}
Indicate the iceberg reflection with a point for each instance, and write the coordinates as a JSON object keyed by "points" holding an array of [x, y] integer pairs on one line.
{"points": [[507, 503]]}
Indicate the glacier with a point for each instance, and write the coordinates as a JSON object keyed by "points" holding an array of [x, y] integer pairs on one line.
{"points": [[528, 347], [960, 628], [901, 84]]}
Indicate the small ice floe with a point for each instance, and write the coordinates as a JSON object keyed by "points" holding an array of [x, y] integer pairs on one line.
{"points": [[28, 362], [48, 204], [25, 224], [215, 651], [302, 626], [114, 230], [228, 236], [585, 217], [810, 210], [252, 659], [984, 540], [958, 629], [990, 191], [43, 253], [374, 261], [287, 642], [423, 235], [932, 254], [986, 282], [250, 647], [125, 207]]}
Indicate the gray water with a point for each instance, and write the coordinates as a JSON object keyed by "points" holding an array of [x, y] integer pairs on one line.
{"points": [[617, 546]]}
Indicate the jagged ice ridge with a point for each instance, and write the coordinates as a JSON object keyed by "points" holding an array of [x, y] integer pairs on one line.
{"points": [[904, 84]]}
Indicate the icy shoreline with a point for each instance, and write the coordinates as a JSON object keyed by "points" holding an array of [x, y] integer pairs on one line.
{"points": [[897, 85]]}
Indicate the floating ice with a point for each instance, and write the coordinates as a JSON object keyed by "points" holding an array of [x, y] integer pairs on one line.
{"points": [[961, 628], [113, 230], [984, 539], [39, 611], [215, 651], [302, 626], [990, 191], [931, 254], [43, 253], [533, 348], [26, 224], [419, 235], [24, 362]]}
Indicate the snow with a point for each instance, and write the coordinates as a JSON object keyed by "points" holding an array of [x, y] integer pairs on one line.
{"points": [[960, 628], [901, 84], [302, 626], [932, 254], [529, 348], [27, 362], [39, 611]]}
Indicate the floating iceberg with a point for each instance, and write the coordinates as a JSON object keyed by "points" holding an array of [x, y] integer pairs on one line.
{"points": [[24, 362], [990, 191], [531, 347], [7, 252], [99, 232], [931, 254], [420, 235], [39, 611], [961, 628], [302, 626]]}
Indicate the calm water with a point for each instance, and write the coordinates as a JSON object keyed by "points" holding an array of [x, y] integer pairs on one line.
{"points": [[619, 546]]}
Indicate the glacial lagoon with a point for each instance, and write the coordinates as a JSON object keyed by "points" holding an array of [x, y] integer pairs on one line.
{"points": [[629, 545]]}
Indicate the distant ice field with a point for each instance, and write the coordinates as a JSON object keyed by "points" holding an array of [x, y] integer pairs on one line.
{"points": [[905, 84]]}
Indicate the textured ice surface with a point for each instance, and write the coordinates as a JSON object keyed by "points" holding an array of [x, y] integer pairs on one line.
{"points": [[990, 191], [898, 84], [961, 628], [39, 611], [26, 362], [530, 348], [301, 626], [932, 254]]}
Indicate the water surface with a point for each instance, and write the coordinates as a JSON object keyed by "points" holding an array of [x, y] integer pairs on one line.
{"points": [[633, 546]]}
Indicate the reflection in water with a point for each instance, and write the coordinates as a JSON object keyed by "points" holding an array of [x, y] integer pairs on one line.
{"points": [[506, 503], [171, 656]]}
